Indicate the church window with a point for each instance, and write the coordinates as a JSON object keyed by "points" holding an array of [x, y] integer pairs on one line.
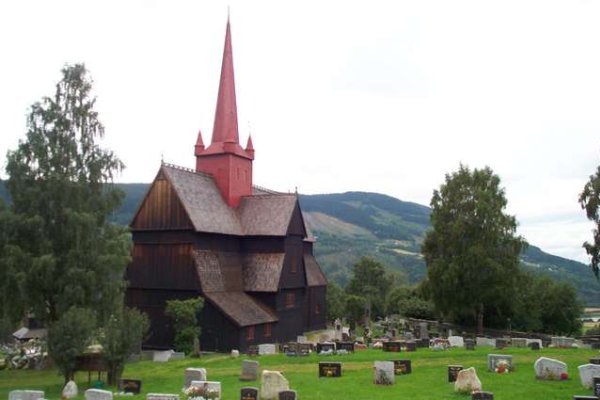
{"points": [[250, 333], [290, 299], [268, 330]]}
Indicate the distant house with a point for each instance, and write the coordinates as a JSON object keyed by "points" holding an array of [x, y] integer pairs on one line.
{"points": [[209, 232]]}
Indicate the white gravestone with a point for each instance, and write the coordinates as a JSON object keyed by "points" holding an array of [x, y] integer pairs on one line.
{"points": [[383, 373], [162, 396], [538, 341], [235, 353], [267, 349], [456, 341], [467, 381], [483, 341], [70, 390], [98, 394], [177, 355], [548, 368], [495, 359], [193, 374], [26, 395], [519, 342], [209, 386], [587, 373], [162, 356], [272, 382]]}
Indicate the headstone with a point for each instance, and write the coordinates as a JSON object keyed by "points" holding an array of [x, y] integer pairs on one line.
{"points": [[162, 356], [482, 396], [453, 371], [193, 374], [467, 381], [519, 342], [249, 393], [534, 346], [423, 343], [249, 370], [423, 331], [330, 369], [26, 395], [235, 353], [587, 373], [209, 389], [392, 346], [162, 396], [530, 343], [456, 341], [484, 341], [338, 329], [272, 382], [98, 394], [348, 346], [130, 386], [177, 355], [402, 367], [595, 360], [501, 343], [325, 347], [267, 349], [383, 373], [469, 344], [196, 347], [562, 342], [410, 346], [304, 349], [70, 390], [287, 395], [596, 386], [252, 350], [494, 360], [301, 339], [549, 369]]}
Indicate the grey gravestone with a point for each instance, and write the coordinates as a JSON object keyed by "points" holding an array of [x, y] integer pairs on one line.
{"points": [[249, 370], [548, 368], [162, 356], [287, 395], [98, 394], [249, 393], [469, 344], [193, 374], [402, 367], [453, 371], [326, 347], [392, 346], [177, 355], [26, 395], [482, 396], [423, 332], [494, 360], [130, 386], [348, 346], [267, 349], [596, 387], [162, 396], [562, 342], [252, 350], [501, 343], [519, 342], [383, 373], [330, 369], [587, 373]]}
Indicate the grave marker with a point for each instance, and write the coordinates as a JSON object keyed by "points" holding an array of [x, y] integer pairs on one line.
{"points": [[410, 346], [495, 359], [469, 344], [383, 373], [272, 382], [287, 395], [325, 347], [548, 368], [392, 346], [482, 396], [249, 393], [26, 395], [249, 370], [402, 367], [162, 396], [130, 386], [348, 346], [453, 371], [252, 350], [534, 346], [587, 373], [596, 387], [98, 394], [210, 389], [193, 374], [501, 343], [330, 369]]}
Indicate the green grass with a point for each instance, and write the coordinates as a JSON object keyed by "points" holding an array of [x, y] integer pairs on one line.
{"points": [[428, 380]]}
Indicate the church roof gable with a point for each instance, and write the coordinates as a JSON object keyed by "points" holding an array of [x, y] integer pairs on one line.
{"points": [[241, 308], [267, 215], [314, 275]]}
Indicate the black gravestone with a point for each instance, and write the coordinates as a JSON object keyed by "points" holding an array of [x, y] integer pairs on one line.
{"points": [[402, 367], [287, 395], [482, 396], [453, 371], [595, 360], [330, 369], [596, 387], [130, 386], [534, 345], [252, 350], [348, 346], [410, 346], [423, 342], [469, 344], [249, 393], [392, 346], [325, 347]]}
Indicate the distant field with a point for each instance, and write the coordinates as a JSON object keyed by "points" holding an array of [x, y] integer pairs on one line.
{"points": [[428, 380]]}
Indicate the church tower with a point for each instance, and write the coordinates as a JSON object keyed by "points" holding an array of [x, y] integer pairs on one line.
{"points": [[224, 159]]}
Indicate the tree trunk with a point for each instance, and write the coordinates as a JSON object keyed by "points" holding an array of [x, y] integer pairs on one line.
{"points": [[480, 320]]}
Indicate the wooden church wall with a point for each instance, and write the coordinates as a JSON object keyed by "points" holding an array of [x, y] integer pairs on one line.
{"points": [[315, 309], [218, 332], [292, 275], [289, 310]]}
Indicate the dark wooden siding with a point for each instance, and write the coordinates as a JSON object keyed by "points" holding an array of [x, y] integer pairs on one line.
{"points": [[296, 226], [315, 310], [162, 266], [218, 332], [292, 275], [161, 209], [291, 319]]}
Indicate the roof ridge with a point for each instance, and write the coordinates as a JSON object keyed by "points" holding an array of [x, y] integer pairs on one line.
{"points": [[186, 169], [268, 191]]}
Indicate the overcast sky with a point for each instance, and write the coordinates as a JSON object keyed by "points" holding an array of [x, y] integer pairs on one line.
{"points": [[373, 96]]}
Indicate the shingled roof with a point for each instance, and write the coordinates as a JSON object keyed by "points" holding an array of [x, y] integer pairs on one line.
{"points": [[262, 271], [241, 308], [267, 215], [314, 275]]}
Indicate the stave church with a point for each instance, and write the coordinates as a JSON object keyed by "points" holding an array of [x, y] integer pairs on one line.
{"points": [[210, 232]]}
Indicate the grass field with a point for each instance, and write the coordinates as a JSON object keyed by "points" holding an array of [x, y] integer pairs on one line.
{"points": [[427, 381]]}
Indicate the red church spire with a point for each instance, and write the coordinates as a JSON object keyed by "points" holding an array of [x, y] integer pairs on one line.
{"points": [[199, 147]]}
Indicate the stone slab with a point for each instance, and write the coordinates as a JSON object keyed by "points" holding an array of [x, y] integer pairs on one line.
{"points": [[162, 396], [272, 382], [249, 393], [456, 341], [383, 373], [98, 394], [209, 386], [250, 370], [587, 373], [193, 374], [453, 371], [495, 359], [267, 349], [549, 369], [26, 395]]}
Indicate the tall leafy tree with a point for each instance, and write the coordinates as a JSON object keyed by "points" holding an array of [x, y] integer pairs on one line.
{"points": [[68, 254], [371, 282], [590, 202], [472, 252]]}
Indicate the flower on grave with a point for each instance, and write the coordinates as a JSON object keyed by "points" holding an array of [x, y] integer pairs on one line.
{"points": [[502, 367], [564, 376], [200, 393]]}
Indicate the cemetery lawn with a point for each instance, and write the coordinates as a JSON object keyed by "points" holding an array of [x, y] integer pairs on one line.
{"points": [[427, 381]]}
